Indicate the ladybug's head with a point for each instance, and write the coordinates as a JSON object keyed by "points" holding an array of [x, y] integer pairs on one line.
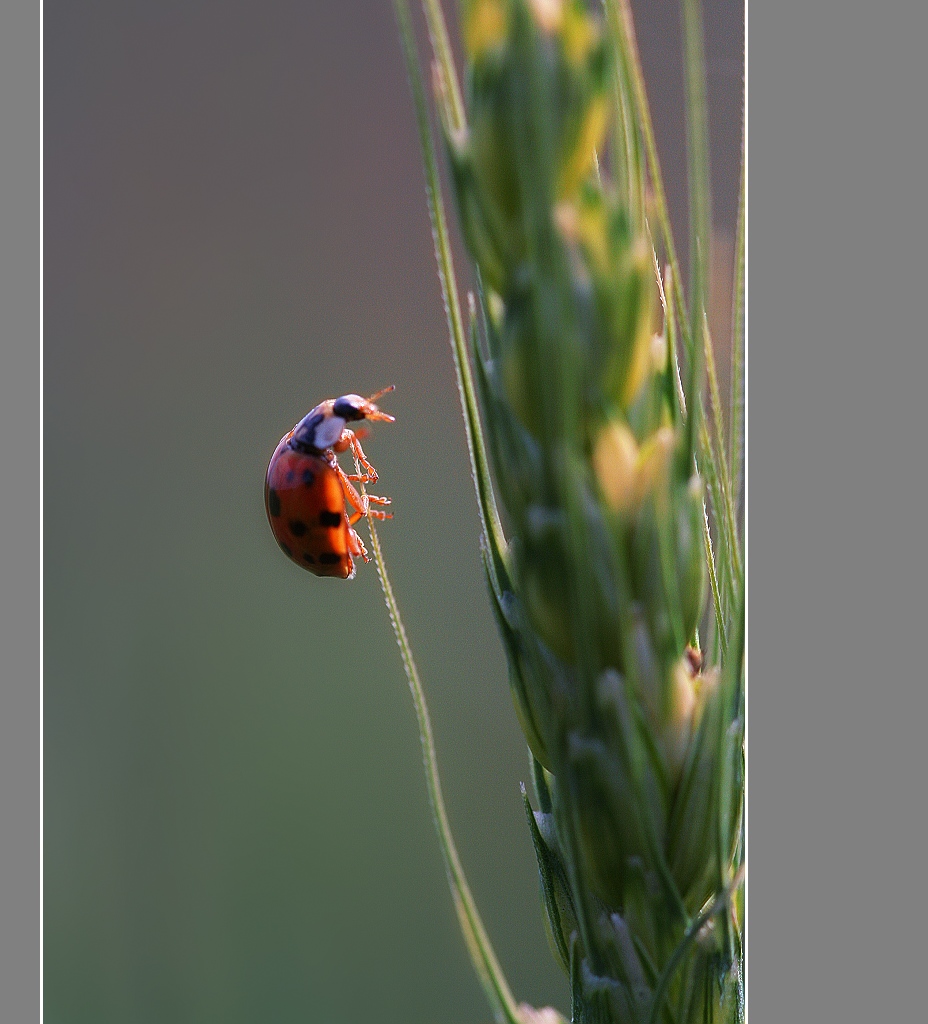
{"points": [[322, 427], [351, 408]]}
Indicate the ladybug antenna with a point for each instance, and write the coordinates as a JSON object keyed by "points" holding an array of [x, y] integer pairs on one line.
{"points": [[371, 411], [382, 392]]}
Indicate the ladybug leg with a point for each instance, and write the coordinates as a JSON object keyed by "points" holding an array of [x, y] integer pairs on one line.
{"points": [[371, 513], [360, 504], [344, 441], [351, 440], [356, 546]]}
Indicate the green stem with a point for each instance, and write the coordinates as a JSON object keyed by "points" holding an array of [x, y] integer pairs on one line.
{"points": [[697, 151], [484, 959], [725, 509], [714, 583], [697, 137], [715, 492], [736, 419], [480, 470], [438, 33], [630, 172], [629, 44]]}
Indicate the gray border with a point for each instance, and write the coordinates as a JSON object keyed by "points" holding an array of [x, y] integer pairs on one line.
{"points": [[19, 510], [838, 567], [836, 366]]}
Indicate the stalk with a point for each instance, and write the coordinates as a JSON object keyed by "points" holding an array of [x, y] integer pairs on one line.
{"points": [[479, 946]]}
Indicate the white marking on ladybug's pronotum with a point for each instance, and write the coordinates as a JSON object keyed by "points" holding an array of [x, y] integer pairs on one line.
{"points": [[328, 432]]}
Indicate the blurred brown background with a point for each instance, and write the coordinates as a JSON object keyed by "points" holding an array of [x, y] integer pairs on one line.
{"points": [[236, 825]]}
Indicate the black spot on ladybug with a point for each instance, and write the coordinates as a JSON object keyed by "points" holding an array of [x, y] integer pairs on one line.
{"points": [[329, 558], [285, 549], [309, 558], [297, 527], [327, 518], [290, 476], [308, 477], [273, 502]]}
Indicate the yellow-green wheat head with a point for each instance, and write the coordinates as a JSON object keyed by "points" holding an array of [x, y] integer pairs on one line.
{"points": [[599, 568]]}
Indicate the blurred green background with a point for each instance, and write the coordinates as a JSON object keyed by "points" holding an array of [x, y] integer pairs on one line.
{"points": [[236, 823]]}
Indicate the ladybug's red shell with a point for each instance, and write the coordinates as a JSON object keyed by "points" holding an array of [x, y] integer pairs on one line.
{"points": [[306, 509]]}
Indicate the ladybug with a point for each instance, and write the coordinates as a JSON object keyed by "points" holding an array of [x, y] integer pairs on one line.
{"points": [[306, 490]]}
